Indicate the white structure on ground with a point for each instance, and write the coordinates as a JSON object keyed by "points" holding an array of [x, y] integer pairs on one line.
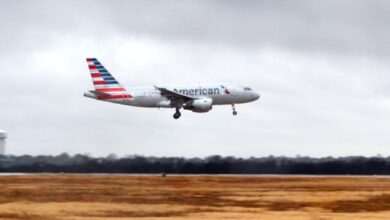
{"points": [[3, 136]]}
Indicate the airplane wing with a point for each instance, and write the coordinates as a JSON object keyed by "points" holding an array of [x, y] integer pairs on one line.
{"points": [[174, 97]]}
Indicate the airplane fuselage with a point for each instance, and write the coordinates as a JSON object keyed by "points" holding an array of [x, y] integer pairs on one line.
{"points": [[150, 96]]}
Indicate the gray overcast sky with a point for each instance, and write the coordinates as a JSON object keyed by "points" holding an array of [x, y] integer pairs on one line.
{"points": [[322, 68]]}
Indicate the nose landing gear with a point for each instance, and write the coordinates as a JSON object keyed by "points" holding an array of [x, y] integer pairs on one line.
{"points": [[177, 114], [234, 109]]}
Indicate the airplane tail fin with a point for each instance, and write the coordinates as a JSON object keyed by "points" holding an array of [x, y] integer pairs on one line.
{"points": [[106, 86]]}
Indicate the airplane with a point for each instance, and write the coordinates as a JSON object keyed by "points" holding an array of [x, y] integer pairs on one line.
{"points": [[197, 98]]}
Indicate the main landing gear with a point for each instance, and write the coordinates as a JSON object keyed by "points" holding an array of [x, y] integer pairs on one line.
{"points": [[234, 109], [177, 114]]}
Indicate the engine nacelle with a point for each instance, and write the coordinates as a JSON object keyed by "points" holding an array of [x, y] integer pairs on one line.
{"points": [[201, 105]]}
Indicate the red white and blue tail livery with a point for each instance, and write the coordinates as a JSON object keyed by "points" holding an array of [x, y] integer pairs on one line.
{"points": [[106, 86], [197, 98]]}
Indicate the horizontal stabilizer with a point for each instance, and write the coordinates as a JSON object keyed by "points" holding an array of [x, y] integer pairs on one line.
{"points": [[99, 94]]}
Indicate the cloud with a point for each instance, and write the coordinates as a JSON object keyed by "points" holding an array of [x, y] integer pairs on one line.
{"points": [[321, 68]]}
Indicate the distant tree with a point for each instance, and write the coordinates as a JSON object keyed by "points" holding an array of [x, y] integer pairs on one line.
{"points": [[214, 164]]}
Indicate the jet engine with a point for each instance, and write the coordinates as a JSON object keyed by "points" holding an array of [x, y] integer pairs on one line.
{"points": [[200, 105]]}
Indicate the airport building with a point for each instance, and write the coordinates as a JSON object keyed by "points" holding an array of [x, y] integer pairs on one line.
{"points": [[3, 136]]}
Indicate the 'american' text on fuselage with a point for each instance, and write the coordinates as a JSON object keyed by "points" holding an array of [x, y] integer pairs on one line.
{"points": [[198, 91]]}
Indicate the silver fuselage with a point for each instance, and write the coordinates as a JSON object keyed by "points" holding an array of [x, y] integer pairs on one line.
{"points": [[150, 96]]}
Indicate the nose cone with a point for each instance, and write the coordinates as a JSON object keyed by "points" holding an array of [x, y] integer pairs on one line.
{"points": [[255, 96]]}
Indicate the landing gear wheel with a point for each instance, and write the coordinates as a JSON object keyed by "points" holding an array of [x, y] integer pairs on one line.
{"points": [[234, 109], [176, 115]]}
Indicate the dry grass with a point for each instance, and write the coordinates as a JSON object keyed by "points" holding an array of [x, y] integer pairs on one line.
{"points": [[87, 197]]}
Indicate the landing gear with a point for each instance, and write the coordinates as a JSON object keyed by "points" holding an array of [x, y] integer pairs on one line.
{"points": [[177, 114], [234, 109]]}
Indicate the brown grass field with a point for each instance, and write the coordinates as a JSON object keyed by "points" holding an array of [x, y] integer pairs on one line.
{"points": [[109, 197]]}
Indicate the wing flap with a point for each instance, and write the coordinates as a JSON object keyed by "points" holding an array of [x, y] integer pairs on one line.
{"points": [[176, 98]]}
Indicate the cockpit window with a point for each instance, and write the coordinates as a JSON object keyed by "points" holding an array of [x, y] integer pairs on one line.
{"points": [[247, 89]]}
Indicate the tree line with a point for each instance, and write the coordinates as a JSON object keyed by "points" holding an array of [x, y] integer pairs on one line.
{"points": [[353, 165]]}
